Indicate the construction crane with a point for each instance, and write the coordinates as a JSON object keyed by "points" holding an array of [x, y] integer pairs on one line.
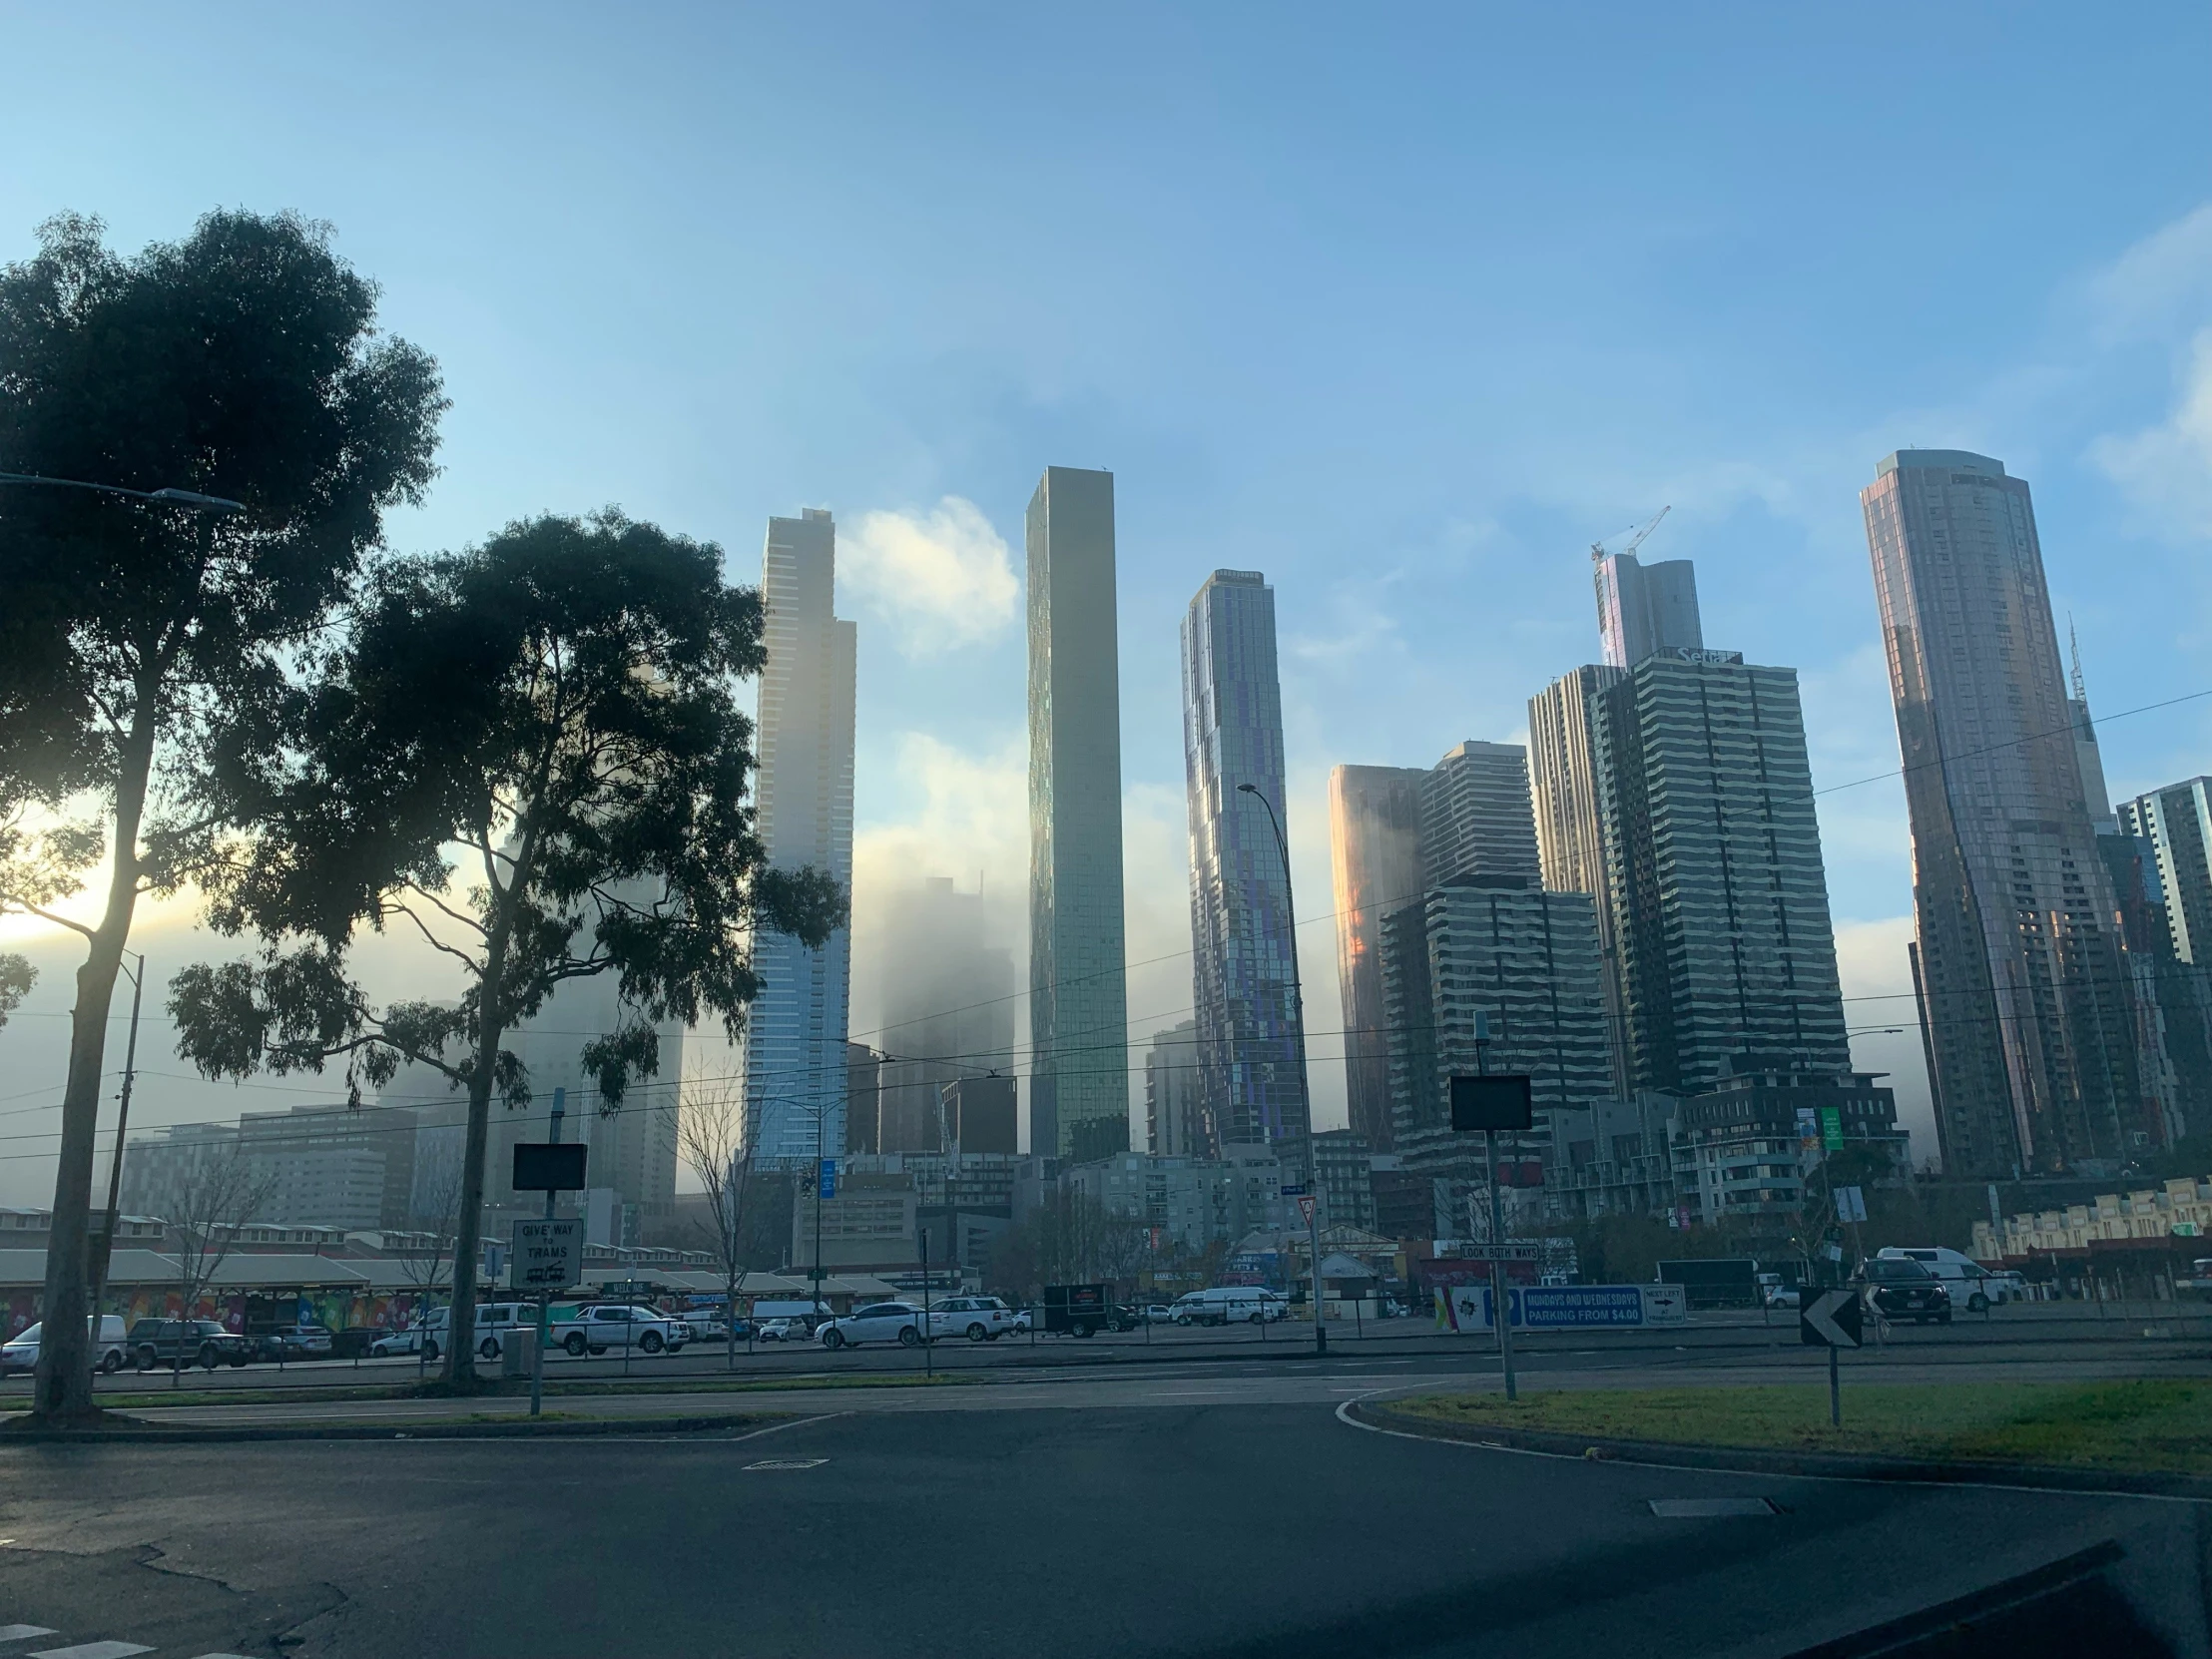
{"points": [[1597, 548]]}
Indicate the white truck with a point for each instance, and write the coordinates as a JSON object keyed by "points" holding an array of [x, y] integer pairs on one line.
{"points": [[1230, 1304]]}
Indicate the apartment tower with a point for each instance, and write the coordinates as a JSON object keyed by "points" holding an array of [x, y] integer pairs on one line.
{"points": [[1078, 988]]}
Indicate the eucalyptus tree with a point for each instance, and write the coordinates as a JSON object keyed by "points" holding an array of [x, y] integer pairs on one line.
{"points": [[238, 368], [530, 757]]}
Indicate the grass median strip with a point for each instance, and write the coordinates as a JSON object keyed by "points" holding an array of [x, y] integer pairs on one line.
{"points": [[2154, 1426]]}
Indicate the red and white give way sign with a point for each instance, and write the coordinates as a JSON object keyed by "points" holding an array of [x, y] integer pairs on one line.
{"points": [[1306, 1207]]}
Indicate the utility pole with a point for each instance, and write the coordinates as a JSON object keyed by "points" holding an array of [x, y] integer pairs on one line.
{"points": [[545, 1298], [115, 1158], [1501, 1308]]}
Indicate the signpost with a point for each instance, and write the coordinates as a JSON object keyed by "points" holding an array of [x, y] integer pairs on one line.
{"points": [[1490, 1104], [1831, 1320], [550, 1168], [1525, 1251]]}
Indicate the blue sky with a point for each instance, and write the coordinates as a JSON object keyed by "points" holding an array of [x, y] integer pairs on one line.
{"points": [[1402, 307]]}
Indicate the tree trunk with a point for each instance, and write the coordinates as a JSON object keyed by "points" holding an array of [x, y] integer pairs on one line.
{"points": [[63, 1391], [460, 1327]]}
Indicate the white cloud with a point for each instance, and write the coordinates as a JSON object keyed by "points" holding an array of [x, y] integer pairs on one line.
{"points": [[2160, 287], [943, 579], [2166, 470]]}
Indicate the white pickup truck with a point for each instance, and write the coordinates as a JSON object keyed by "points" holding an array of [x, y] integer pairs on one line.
{"points": [[981, 1318], [619, 1325]]}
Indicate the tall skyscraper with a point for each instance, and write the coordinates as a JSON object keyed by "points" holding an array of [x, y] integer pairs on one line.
{"points": [[1645, 607], [1570, 831], [2177, 822], [795, 1037], [1172, 1126], [948, 1000], [2023, 1004], [1394, 834], [1078, 984], [1726, 949], [1527, 959], [1243, 987], [1375, 856]]}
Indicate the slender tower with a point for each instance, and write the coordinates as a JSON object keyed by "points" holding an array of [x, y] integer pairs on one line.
{"points": [[2023, 1010], [1240, 980], [794, 1037], [1079, 990]]}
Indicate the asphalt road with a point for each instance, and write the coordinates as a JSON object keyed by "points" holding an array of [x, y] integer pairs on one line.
{"points": [[1188, 1529]]}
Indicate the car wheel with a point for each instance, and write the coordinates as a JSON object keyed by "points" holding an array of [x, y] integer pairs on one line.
{"points": [[1260, 1318], [575, 1343], [148, 1359], [488, 1349], [208, 1355], [651, 1341], [430, 1350], [1084, 1330], [833, 1340], [1978, 1304], [111, 1362], [909, 1337], [978, 1334]]}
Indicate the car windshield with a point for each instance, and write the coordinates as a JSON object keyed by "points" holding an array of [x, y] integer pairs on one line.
{"points": [[1901, 1271]]}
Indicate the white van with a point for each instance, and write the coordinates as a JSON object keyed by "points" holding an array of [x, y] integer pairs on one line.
{"points": [[20, 1352], [1971, 1285], [1229, 1305]]}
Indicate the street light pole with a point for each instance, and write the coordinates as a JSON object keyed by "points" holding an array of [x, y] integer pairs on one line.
{"points": [[1305, 1093], [115, 1158]]}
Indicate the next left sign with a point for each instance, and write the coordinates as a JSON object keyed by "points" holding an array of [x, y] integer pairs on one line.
{"points": [[548, 1255]]}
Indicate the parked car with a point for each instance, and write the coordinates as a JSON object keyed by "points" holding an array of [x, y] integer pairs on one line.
{"points": [[187, 1342], [1782, 1296], [302, 1341], [605, 1325], [424, 1335], [981, 1318], [1024, 1320], [497, 1321], [1159, 1313], [1905, 1290], [1121, 1317], [20, 1352], [881, 1322], [782, 1330]]}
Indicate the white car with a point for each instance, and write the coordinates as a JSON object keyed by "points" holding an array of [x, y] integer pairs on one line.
{"points": [[981, 1318], [623, 1324], [782, 1331], [20, 1352], [881, 1322]]}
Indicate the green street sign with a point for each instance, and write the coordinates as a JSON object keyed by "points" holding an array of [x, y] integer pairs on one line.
{"points": [[1831, 1128]]}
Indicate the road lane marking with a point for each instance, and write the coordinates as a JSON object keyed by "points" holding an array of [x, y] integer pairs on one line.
{"points": [[93, 1650], [23, 1632], [788, 1463], [1706, 1509]]}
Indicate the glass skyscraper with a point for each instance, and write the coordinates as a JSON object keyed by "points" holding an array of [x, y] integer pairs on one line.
{"points": [[794, 1035], [1243, 987], [1078, 988], [2024, 1009]]}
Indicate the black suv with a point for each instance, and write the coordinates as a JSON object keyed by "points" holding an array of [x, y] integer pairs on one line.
{"points": [[187, 1342], [1906, 1290]]}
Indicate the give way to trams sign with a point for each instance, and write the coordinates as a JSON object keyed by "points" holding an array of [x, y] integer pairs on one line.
{"points": [[548, 1255], [1828, 1318]]}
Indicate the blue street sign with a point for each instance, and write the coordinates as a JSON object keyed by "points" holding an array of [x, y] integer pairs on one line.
{"points": [[829, 1185]]}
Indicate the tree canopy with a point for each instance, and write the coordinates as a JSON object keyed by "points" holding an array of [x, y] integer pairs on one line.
{"points": [[530, 756], [242, 362]]}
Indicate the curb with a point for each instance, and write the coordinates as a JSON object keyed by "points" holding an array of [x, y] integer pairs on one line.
{"points": [[1834, 1465], [143, 1435]]}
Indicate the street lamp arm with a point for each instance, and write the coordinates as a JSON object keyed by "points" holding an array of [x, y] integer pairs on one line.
{"points": [[190, 500]]}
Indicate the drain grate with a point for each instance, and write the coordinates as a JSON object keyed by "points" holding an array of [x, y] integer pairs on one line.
{"points": [[1706, 1508], [788, 1463]]}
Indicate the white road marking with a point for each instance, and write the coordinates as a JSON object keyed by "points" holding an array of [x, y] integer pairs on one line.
{"points": [[23, 1632], [219, 1656], [1705, 1508], [788, 1463], [93, 1650]]}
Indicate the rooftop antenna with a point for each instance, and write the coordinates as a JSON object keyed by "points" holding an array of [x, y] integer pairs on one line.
{"points": [[2073, 645]]}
